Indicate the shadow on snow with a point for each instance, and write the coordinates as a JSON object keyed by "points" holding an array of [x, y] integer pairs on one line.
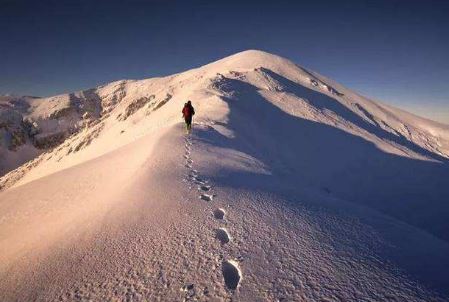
{"points": [[307, 154]]}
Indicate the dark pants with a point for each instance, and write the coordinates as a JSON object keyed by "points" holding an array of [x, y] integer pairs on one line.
{"points": [[188, 120]]}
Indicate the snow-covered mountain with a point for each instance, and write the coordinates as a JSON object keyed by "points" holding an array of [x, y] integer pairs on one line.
{"points": [[291, 187]]}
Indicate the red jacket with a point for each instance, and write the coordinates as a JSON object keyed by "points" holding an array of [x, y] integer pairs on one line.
{"points": [[188, 111]]}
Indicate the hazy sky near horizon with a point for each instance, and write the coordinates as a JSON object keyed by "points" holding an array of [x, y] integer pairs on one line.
{"points": [[395, 51]]}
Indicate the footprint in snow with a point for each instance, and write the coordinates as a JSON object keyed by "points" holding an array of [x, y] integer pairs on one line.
{"points": [[204, 188], [231, 274], [219, 213], [197, 179], [193, 175], [187, 287], [222, 235], [206, 197]]}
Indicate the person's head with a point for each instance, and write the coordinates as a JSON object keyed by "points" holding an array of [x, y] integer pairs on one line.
{"points": [[189, 103]]}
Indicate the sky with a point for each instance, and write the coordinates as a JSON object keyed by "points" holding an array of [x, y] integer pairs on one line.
{"points": [[395, 51]]}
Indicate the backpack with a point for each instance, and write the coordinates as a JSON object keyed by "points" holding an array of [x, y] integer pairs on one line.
{"points": [[188, 111]]}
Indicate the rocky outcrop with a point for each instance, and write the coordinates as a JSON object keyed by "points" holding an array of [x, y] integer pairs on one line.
{"points": [[12, 129], [49, 140], [134, 107]]}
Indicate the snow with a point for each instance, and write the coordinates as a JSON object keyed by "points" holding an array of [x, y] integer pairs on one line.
{"points": [[290, 188]]}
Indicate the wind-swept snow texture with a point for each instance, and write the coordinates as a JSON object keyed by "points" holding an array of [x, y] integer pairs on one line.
{"points": [[290, 188]]}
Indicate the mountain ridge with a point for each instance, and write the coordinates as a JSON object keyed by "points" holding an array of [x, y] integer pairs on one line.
{"points": [[249, 59]]}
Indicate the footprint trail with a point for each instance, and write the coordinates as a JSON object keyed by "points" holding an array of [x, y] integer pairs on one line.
{"points": [[232, 274]]}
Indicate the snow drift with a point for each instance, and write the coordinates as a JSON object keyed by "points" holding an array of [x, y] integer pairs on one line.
{"points": [[290, 187]]}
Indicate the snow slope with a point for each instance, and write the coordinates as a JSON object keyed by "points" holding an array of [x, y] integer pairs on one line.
{"points": [[290, 188]]}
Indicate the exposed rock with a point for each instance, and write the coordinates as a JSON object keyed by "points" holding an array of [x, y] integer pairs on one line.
{"points": [[61, 113], [12, 130], [134, 107], [45, 141], [163, 101]]}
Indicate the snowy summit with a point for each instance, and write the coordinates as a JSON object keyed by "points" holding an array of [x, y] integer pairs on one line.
{"points": [[290, 187]]}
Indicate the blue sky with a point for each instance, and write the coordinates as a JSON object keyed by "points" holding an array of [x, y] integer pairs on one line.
{"points": [[395, 51]]}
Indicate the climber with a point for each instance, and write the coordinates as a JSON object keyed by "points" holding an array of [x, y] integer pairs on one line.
{"points": [[187, 113]]}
